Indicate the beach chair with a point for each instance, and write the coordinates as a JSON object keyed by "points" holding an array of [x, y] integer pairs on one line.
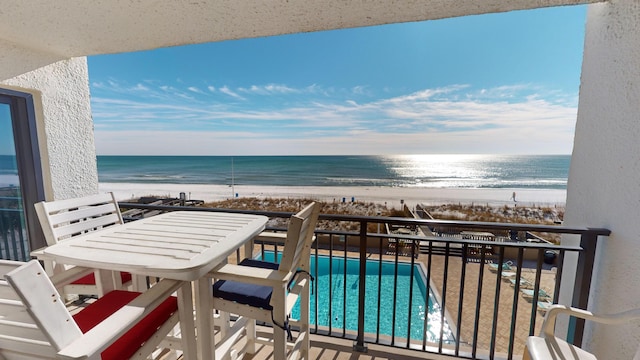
{"points": [[530, 295], [544, 306], [524, 283], [547, 346], [265, 291], [64, 219], [392, 245], [121, 325], [506, 266]]}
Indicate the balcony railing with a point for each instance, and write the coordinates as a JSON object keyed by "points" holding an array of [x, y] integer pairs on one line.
{"points": [[13, 234], [485, 310]]}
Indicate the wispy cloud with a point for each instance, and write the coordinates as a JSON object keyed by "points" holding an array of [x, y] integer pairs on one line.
{"points": [[359, 90], [195, 90], [270, 89], [228, 91], [444, 119], [140, 87]]}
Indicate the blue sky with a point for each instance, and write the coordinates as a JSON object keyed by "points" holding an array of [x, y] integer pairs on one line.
{"points": [[499, 83]]}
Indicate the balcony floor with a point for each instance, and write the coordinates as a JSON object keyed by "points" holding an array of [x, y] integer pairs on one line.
{"points": [[324, 347]]}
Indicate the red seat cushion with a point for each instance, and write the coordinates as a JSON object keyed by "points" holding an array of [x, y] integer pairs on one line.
{"points": [[130, 342], [91, 279]]}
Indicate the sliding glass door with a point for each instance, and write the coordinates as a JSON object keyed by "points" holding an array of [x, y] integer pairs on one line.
{"points": [[12, 220], [20, 177]]}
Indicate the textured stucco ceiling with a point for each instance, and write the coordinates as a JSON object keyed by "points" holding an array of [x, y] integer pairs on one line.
{"points": [[37, 32]]}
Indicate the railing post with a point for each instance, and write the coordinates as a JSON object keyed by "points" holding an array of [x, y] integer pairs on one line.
{"points": [[359, 344], [582, 287]]}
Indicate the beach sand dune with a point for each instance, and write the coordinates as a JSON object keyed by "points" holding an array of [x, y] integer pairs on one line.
{"points": [[393, 197]]}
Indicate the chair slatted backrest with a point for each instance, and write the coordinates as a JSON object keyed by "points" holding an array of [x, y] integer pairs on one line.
{"points": [[62, 219], [299, 237], [20, 335]]}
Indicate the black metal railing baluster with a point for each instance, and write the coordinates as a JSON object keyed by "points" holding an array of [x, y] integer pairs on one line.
{"points": [[476, 322], [379, 293], [344, 290], [330, 310], [514, 309], [427, 298], [584, 273], [359, 345], [315, 283], [395, 296], [444, 295], [463, 272], [558, 280], [409, 307], [536, 291], [496, 306]]}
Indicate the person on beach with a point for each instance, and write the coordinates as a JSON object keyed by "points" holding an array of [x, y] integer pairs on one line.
{"points": [[513, 196]]}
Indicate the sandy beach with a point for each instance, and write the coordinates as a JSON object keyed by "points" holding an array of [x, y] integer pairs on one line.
{"points": [[391, 196]]}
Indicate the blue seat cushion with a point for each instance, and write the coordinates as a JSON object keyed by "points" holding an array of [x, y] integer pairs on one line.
{"points": [[246, 293]]}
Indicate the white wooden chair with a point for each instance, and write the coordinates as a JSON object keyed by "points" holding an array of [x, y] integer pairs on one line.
{"points": [[64, 219], [267, 292], [548, 347], [35, 324]]}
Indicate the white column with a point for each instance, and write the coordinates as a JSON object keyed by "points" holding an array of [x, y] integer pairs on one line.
{"points": [[604, 179]]}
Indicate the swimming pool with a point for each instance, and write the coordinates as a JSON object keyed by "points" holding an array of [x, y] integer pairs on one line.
{"points": [[336, 285]]}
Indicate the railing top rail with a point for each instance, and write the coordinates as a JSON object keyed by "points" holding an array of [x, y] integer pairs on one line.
{"points": [[391, 220]]}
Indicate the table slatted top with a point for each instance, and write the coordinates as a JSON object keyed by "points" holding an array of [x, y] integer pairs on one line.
{"points": [[181, 245]]}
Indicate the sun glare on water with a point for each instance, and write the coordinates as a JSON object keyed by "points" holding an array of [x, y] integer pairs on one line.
{"points": [[439, 170]]}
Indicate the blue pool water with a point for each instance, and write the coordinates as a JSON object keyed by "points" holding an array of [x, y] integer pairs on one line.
{"points": [[336, 285]]}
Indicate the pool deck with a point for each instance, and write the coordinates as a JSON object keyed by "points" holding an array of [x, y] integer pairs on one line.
{"points": [[505, 305]]}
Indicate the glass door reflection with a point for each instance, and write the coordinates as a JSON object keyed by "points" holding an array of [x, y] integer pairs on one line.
{"points": [[13, 233]]}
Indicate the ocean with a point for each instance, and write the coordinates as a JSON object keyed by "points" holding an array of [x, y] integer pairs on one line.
{"points": [[427, 171]]}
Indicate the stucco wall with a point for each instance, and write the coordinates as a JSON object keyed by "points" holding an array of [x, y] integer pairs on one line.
{"points": [[65, 126], [604, 179]]}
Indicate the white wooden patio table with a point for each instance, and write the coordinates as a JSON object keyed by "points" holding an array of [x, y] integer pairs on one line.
{"points": [[180, 245]]}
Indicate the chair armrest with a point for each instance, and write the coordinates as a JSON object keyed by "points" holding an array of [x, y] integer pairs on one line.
{"points": [[248, 274], [272, 237], [50, 263], [68, 276], [96, 340], [40, 255], [611, 319]]}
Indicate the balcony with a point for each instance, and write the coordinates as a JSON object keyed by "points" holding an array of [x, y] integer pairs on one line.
{"points": [[487, 312]]}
